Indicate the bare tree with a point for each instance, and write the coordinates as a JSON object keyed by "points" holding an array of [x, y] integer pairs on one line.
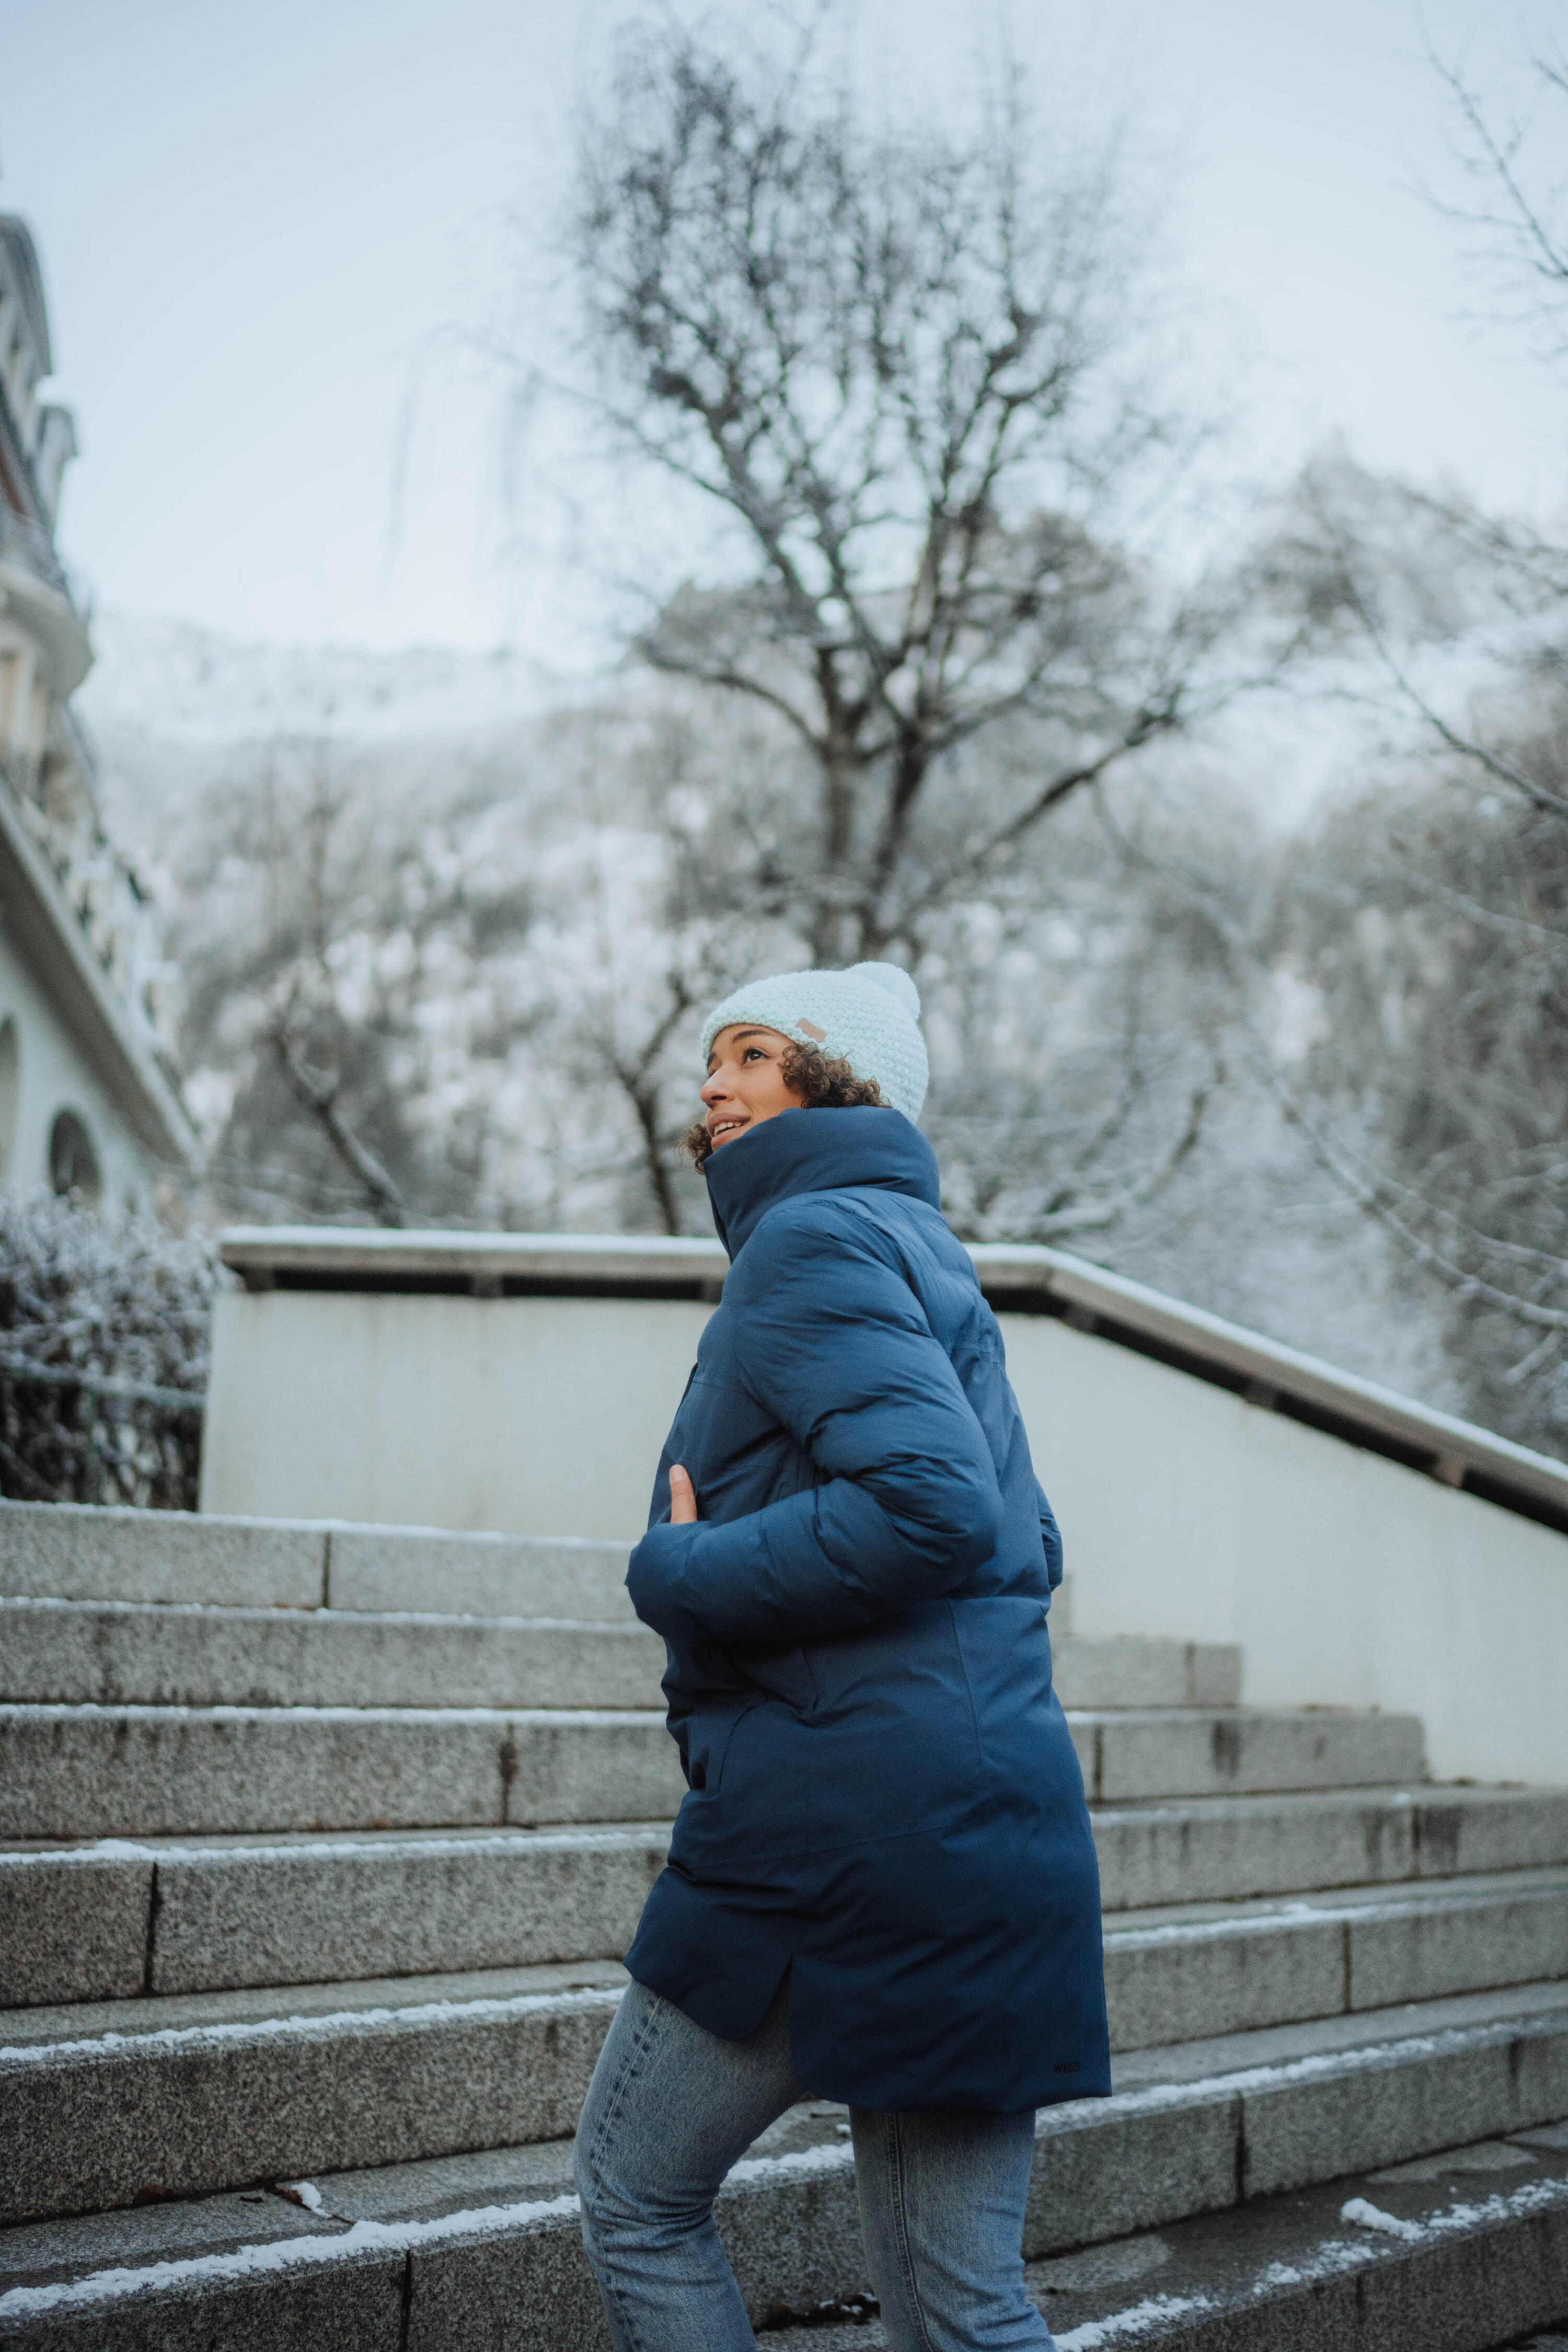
{"points": [[318, 1092], [1518, 221], [1433, 915], [337, 938], [903, 371], [678, 807], [1433, 925], [1076, 1013], [1414, 572]]}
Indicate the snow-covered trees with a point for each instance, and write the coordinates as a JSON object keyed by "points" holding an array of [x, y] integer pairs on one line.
{"points": [[930, 688], [103, 1357], [1430, 911], [1432, 921]]}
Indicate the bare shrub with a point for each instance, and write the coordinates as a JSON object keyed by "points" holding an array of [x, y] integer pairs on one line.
{"points": [[103, 1357]]}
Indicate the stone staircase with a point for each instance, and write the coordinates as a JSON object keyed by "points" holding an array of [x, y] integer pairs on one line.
{"points": [[317, 1851]]}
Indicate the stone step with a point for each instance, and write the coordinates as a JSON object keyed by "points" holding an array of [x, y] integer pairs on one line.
{"points": [[480, 2250], [1159, 1752], [116, 1918], [111, 1654], [117, 1654], [1125, 1670], [1448, 2251], [84, 1771], [112, 1920], [1201, 1970], [89, 1770], [110, 2103], [1220, 1849], [116, 2105], [75, 1551]]}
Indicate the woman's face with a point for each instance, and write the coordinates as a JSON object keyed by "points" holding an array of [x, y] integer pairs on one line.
{"points": [[746, 1083]]}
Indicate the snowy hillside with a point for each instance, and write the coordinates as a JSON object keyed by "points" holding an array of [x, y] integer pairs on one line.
{"points": [[180, 684]]}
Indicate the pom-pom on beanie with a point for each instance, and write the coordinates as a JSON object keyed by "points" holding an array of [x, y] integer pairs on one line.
{"points": [[867, 1016]]}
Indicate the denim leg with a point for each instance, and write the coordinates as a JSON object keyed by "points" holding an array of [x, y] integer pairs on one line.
{"points": [[942, 2209], [668, 2111]]}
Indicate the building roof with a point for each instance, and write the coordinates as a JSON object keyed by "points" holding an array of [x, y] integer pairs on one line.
{"points": [[21, 273]]}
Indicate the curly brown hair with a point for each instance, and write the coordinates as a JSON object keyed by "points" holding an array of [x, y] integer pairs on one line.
{"points": [[826, 1081]]}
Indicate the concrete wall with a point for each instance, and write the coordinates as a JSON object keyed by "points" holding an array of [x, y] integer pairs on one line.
{"points": [[1348, 1580], [532, 1416], [51, 1074]]}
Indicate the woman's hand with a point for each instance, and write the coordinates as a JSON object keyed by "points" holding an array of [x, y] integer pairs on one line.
{"points": [[683, 1497]]}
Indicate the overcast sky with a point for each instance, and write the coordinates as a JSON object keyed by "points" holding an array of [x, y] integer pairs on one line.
{"points": [[261, 224]]}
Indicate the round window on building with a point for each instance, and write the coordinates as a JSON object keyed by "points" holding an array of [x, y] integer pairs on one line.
{"points": [[73, 1162]]}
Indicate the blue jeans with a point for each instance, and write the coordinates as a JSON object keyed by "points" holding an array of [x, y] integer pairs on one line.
{"points": [[671, 2107]]}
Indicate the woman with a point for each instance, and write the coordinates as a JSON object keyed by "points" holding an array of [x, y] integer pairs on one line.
{"points": [[881, 1888]]}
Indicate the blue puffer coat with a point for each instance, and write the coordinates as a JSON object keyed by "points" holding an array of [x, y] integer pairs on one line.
{"points": [[884, 1797]]}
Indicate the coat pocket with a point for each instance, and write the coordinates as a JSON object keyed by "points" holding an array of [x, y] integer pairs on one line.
{"points": [[781, 1672], [708, 1733]]}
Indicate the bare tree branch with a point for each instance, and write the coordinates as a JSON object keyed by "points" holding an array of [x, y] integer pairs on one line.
{"points": [[904, 367], [1372, 1193], [1099, 1216], [319, 1095]]}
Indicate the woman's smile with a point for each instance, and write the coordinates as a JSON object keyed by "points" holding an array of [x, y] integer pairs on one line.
{"points": [[745, 1081]]}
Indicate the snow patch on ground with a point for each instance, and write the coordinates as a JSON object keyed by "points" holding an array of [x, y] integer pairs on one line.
{"points": [[1373, 2055], [368, 2237], [519, 1840], [1137, 2320], [282, 2254], [833, 2158], [250, 2032], [101, 1850], [1368, 2216]]}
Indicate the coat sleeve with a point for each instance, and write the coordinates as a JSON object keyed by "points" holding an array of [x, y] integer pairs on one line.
{"points": [[1050, 1536], [834, 1345]]}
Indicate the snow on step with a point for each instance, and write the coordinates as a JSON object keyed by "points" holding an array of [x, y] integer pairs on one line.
{"points": [[216, 2092], [467, 2270], [1470, 2251], [81, 1925]]}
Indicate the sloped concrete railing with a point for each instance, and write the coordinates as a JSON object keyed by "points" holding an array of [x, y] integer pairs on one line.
{"points": [[1275, 1378], [1211, 1486], [1017, 1280]]}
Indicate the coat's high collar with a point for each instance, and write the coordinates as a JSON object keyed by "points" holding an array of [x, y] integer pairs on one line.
{"points": [[816, 1151]]}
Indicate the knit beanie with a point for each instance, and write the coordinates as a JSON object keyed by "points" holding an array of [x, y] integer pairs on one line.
{"points": [[867, 1016]]}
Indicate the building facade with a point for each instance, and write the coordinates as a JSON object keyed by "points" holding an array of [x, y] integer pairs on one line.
{"points": [[90, 1098]]}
